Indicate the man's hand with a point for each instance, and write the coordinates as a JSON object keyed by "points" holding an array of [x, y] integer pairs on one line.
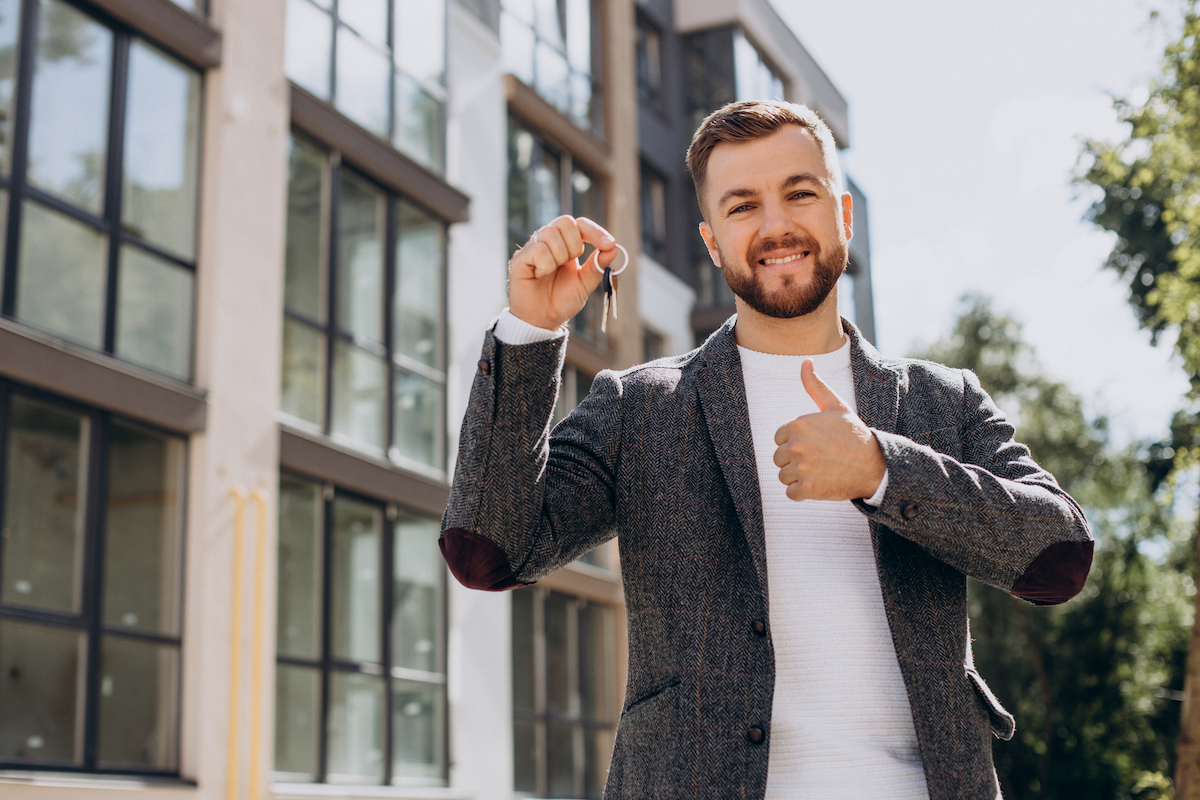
{"points": [[831, 455], [546, 284]]}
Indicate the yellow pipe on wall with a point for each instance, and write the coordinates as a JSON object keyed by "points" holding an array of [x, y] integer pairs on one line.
{"points": [[256, 678], [235, 640]]}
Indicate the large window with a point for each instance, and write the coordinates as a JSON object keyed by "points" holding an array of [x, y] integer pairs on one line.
{"points": [[649, 64], [382, 63], [756, 79], [552, 46], [543, 183], [562, 693], [654, 214], [360, 689], [364, 313], [91, 554], [99, 158]]}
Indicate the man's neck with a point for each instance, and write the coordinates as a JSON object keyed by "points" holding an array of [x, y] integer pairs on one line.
{"points": [[810, 335]]}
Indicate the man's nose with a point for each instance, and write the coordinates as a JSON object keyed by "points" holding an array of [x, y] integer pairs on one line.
{"points": [[775, 221]]}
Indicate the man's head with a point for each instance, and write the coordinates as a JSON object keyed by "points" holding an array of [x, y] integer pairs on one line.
{"points": [[776, 219]]}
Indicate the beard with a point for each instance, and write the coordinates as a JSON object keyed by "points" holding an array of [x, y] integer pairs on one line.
{"points": [[794, 298]]}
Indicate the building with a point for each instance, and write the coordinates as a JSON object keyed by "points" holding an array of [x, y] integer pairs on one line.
{"points": [[249, 249]]}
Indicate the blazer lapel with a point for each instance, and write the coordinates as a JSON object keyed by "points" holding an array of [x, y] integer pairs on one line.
{"points": [[876, 385], [726, 415]]}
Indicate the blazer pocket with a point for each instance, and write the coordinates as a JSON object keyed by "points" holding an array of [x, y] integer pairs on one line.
{"points": [[942, 440], [1003, 724], [652, 695]]}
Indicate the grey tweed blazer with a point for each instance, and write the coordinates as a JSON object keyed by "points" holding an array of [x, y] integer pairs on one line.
{"points": [[660, 456]]}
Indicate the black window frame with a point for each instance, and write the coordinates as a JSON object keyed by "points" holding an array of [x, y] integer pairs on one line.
{"points": [[333, 332], [109, 222], [89, 621], [650, 94], [327, 664]]}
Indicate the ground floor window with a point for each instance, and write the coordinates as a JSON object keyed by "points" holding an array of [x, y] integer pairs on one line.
{"points": [[360, 689], [563, 683], [91, 554]]}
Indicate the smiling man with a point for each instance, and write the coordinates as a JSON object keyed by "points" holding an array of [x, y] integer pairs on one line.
{"points": [[797, 514]]}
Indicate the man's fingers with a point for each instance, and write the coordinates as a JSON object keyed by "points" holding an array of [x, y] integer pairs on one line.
{"points": [[567, 228], [594, 234], [822, 395]]}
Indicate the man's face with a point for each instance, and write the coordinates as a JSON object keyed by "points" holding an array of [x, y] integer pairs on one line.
{"points": [[775, 227]]}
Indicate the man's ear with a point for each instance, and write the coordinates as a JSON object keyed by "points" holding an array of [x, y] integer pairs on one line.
{"points": [[710, 242], [848, 215]]}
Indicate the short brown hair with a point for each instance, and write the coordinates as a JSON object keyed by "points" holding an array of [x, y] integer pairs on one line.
{"points": [[747, 120]]}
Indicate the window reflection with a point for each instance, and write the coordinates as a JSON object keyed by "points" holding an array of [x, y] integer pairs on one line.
{"points": [[548, 44]]}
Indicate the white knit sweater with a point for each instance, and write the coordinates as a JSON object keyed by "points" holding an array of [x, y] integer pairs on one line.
{"points": [[841, 726]]}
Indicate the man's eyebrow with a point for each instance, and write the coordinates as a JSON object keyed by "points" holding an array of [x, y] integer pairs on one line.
{"points": [[736, 193], [803, 177]]}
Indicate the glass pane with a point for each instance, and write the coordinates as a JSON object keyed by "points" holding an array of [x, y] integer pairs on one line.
{"points": [[418, 123], [357, 533], [304, 274], [523, 9], [420, 248], [143, 535], [301, 513], [595, 661], [597, 753], [303, 393], [418, 730], [546, 186], [420, 432], [524, 756], [560, 759], [417, 596], [356, 725], [41, 702], [420, 39], [368, 17], [139, 701], [520, 162], [297, 721], [524, 677], [61, 275], [558, 655], [551, 25], [308, 47], [363, 73], [359, 394], [10, 18], [154, 313], [68, 129], [360, 258], [162, 150], [552, 77], [581, 100], [517, 38], [579, 34], [585, 196], [45, 506]]}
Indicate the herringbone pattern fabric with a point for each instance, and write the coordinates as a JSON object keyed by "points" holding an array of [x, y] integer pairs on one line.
{"points": [[661, 456]]}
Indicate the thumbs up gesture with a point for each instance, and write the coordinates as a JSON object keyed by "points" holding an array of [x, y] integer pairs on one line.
{"points": [[830, 455]]}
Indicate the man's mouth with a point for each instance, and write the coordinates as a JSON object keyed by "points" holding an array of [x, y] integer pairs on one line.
{"points": [[788, 259]]}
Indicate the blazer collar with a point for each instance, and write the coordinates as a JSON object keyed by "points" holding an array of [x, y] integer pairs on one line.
{"points": [[726, 414]]}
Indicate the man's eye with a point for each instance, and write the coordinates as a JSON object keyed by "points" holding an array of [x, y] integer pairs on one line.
{"points": [[739, 209], [803, 195]]}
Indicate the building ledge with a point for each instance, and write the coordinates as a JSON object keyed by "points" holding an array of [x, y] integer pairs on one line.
{"points": [[526, 103], [180, 31], [331, 791], [58, 784], [44, 362]]}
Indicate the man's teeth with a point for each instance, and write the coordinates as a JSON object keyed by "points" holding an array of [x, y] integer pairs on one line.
{"points": [[785, 259]]}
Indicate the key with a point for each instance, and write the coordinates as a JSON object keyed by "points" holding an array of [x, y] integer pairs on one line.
{"points": [[610, 298]]}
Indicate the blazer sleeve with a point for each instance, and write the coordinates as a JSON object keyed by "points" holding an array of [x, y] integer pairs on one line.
{"points": [[523, 503], [995, 515]]}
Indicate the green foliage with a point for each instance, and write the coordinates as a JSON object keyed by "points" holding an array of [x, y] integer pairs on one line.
{"points": [[1091, 682]]}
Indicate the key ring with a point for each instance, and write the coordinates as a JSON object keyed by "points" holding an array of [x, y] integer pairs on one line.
{"points": [[614, 272]]}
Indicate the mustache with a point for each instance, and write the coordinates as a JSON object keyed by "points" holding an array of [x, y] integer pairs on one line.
{"points": [[790, 242]]}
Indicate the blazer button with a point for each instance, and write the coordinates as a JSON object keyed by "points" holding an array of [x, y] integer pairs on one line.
{"points": [[484, 367], [910, 510], [756, 734], [759, 627]]}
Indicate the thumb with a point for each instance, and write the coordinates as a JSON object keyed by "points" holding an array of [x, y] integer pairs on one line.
{"points": [[825, 398]]}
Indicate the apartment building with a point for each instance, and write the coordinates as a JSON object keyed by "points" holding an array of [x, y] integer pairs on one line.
{"points": [[249, 250]]}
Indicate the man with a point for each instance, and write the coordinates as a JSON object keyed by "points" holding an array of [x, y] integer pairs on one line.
{"points": [[797, 514]]}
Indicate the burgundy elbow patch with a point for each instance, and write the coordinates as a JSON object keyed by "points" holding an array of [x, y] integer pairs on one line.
{"points": [[476, 562], [1057, 574]]}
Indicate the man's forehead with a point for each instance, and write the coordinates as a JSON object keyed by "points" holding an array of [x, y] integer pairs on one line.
{"points": [[788, 151]]}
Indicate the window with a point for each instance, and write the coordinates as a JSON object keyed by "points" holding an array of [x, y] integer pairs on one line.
{"points": [[563, 686], [543, 183], [846, 299], [649, 64], [654, 215], [360, 681], [756, 80], [364, 313], [654, 345], [91, 555], [382, 63], [551, 46], [99, 163]]}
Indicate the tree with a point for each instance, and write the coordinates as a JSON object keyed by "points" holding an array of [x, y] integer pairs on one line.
{"points": [[1150, 185], [1091, 682]]}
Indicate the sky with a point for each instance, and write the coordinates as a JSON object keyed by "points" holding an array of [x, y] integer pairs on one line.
{"points": [[966, 124]]}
